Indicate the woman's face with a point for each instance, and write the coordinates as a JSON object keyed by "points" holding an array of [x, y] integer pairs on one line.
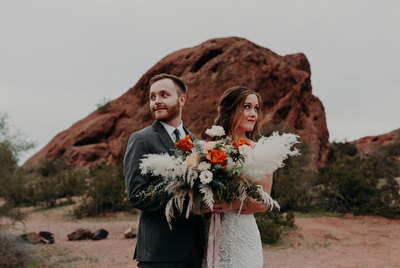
{"points": [[250, 114]]}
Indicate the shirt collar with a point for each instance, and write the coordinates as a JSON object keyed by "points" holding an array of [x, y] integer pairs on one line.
{"points": [[170, 130]]}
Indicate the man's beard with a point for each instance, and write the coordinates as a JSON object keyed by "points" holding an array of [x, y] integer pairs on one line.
{"points": [[172, 113]]}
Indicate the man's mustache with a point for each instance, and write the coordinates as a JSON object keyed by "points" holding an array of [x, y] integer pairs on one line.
{"points": [[159, 107]]}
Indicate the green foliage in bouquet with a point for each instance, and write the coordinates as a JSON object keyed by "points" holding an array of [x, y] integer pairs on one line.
{"points": [[224, 184], [217, 171]]}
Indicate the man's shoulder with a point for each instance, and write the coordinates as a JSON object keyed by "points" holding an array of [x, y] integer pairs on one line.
{"points": [[145, 131]]}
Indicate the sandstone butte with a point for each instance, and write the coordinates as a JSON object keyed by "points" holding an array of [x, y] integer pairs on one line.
{"points": [[368, 145], [208, 70]]}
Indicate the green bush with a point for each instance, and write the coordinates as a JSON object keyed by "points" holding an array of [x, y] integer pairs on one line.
{"points": [[104, 105], [10, 215], [339, 150], [349, 182], [271, 224], [14, 251], [56, 179], [363, 184], [11, 146], [295, 185], [105, 191], [44, 183]]}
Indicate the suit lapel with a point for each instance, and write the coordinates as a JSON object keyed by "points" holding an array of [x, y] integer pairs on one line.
{"points": [[164, 137]]}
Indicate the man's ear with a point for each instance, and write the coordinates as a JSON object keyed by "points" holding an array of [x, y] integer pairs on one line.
{"points": [[182, 100]]}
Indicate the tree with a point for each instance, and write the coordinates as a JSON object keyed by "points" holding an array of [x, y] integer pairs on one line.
{"points": [[11, 146]]}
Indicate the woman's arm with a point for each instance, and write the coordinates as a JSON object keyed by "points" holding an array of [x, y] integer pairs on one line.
{"points": [[255, 206]]}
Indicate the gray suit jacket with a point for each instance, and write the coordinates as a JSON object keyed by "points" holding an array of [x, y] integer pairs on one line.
{"points": [[155, 241]]}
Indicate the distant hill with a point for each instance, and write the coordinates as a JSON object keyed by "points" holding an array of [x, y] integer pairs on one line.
{"points": [[368, 145]]}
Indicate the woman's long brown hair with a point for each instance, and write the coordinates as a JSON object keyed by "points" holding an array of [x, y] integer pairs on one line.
{"points": [[230, 109]]}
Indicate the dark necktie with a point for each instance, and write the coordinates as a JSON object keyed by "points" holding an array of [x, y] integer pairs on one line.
{"points": [[176, 132]]}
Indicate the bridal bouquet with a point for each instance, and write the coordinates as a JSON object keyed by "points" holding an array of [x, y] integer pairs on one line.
{"points": [[216, 171]]}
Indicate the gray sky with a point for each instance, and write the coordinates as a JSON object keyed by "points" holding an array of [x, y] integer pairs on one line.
{"points": [[58, 59]]}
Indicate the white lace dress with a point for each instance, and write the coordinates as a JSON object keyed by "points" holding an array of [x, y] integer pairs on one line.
{"points": [[240, 242]]}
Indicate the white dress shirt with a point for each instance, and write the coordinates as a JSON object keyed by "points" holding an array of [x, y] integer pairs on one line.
{"points": [[170, 131]]}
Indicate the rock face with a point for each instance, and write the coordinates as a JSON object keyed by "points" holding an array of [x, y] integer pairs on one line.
{"points": [[208, 70], [368, 145]]}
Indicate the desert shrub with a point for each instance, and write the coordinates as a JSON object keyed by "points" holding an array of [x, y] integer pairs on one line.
{"points": [[271, 224], [10, 215], [52, 179], [105, 193], [363, 184], [18, 190], [295, 185], [104, 105], [44, 183], [14, 251], [339, 150], [11, 146], [349, 182]]}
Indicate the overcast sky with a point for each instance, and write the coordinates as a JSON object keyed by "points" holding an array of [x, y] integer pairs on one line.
{"points": [[58, 59]]}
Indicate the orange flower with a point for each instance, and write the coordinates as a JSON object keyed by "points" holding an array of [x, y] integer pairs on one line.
{"points": [[217, 157], [184, 144], [239, 143]]}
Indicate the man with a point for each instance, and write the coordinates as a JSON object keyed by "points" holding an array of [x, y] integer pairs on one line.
{"points": [[157, 245]]}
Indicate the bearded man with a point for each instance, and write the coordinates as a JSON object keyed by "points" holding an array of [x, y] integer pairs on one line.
{"points": [[158, 245]]}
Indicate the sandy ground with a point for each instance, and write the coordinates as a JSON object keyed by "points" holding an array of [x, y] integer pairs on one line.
{"points": [[349, 241]]}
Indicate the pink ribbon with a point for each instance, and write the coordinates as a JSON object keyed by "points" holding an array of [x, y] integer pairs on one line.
{"points": [[213, 240]]}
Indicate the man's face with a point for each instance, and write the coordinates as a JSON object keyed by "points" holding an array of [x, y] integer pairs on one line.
{"points": [[164, 101]]}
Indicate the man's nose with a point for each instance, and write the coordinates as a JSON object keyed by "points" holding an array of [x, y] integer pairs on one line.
{"points": [[157, 100]]}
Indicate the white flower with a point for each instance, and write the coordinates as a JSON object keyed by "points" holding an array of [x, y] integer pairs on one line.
{"points": [[215, 131], [206, 177], [245, 150], [204, 166]]}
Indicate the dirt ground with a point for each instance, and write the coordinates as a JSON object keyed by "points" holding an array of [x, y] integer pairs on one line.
{"points": [[349, 241]]}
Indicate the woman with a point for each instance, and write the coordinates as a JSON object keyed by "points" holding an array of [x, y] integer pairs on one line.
{"points": [[240, 241]]}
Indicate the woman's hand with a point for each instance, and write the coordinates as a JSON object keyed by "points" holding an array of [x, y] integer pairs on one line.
{"points": [[216, 208], [255, 206]]}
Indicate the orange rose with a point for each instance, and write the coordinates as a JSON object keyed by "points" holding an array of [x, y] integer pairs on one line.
{"points": [[239, 143], [217, 157], [184, 144]]}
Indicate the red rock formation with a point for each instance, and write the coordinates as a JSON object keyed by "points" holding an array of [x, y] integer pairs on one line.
{"points": [[370, 144], [208, 70]]}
